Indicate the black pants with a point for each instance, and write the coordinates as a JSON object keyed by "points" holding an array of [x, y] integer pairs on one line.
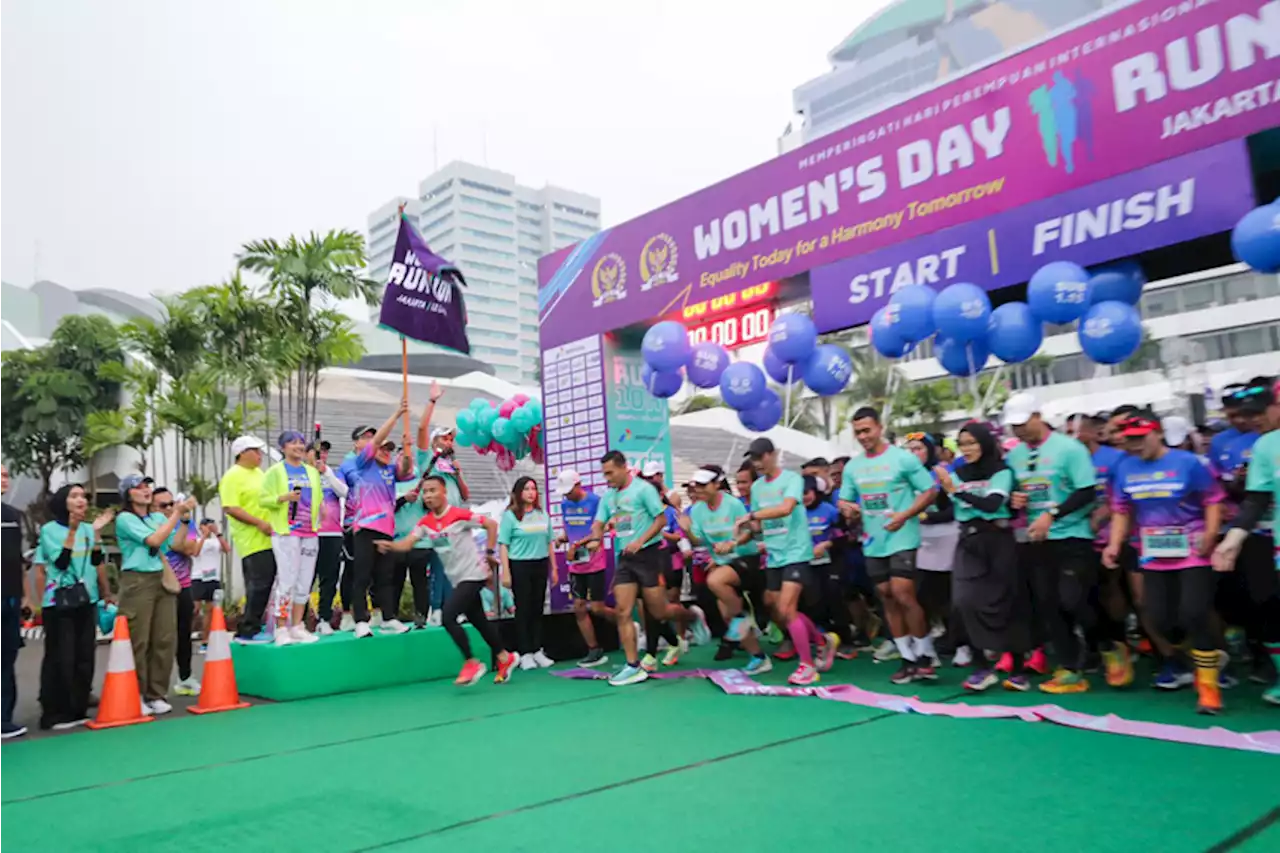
{"points": [[328, 568], [832, 612], [186, 616], [347, 584], [259, 577], [66, 673], [373, 568], [1182, 599], [413, 565], [529, 589], [11, 642], [465, 600], [1063, 574]]}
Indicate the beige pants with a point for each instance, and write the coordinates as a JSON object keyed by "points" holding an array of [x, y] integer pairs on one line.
{"points": [[153, 629]]}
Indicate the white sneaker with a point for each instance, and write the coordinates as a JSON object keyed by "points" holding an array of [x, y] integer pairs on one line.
{"points": [[394, 626], [146, 709], [541, 659], [376, 620], [283, 637], [159, 706], [528, 662], [187, 687], [324, 629], [434, 619], [302, 635], [348, 622], [362, 629], [69, 724], [963, 657]]}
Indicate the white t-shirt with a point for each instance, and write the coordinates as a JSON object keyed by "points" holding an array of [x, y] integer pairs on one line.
{"points": [[206, 565], [450, 534]]}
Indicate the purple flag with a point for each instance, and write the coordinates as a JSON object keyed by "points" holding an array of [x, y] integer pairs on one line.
{"points": [[423, 299]]}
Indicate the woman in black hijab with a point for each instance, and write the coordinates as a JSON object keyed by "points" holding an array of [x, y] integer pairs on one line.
{"points": [[988, 592]]}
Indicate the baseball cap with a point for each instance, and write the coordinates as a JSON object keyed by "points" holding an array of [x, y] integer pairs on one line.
{"points": [[246, 442], [759, 447], [652, 468], [1176, 429], [440, 431], [132, 481], [566, 481], [704, 477], [361, 430], [1020, 408]]}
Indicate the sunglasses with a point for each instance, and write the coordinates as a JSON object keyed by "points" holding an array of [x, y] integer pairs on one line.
{"points": [[917, 436], [168, 505]]}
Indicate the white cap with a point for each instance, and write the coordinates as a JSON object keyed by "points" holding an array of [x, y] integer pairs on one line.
{"points": [[1176, 429], [652, 468], [246, 442], [437, 432], [566, 481], [704, 477], [1019, 408]]}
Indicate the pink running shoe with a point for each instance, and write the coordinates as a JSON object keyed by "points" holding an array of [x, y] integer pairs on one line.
{"points": [[1005, 664], [1038, 662], [804, 675], [472, 671]]}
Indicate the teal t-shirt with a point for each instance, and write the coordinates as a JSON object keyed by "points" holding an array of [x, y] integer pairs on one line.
{"points": [[135, 554], [786, 539], [1001, 483], [633, 510], [1048, 475], [528, 538], [410, 513], [884, 485], [49, 548], [712, 526]]}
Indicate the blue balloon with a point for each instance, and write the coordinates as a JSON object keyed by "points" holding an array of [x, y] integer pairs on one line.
{"points": [[961, 358], [1119, 282], [1058, 292], [1256, 238], [1110, 332], [792, 338], [961, 312], [777, 369], [661, 383], [885, 336], [706, 364], [765, 415], [742, 385], [666, 346], [828, 371], [1014, 334], [912, 312]]}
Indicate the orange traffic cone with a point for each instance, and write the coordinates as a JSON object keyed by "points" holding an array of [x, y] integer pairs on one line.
{"points": [[121, 703], [218, 691]]}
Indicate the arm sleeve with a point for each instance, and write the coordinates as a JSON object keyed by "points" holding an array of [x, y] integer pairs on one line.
{"points": [[946, 511], [986, 503], [1252, 510], [1079, 499], [333, 481]]}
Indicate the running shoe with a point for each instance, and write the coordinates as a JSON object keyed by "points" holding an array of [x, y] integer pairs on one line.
{"points": [[726, 650], [527, 662], [505, 669], [649, 663], [347, 622], [472, 671], [926, 669], [541, 659], [787, 651], [628, 675], [1005, 664], [283, 637], [187, 687], [324, 629], [1173, 676], [159, 706], [393, 626], [595, 657], [1208, 696], [12, 730], [302, 635], [963, 657], [1065, 681], [258, 639], [1038, 662], [773, 634], [1119, 666], [827, 652], [1019, 683], [1272, 694], [701, 631], [981, 680], [886, 651], [737, 630], [804, 674], [69, 724], [672, 657], [362, 629], [906, 673], [419, 622], [203, 650], [760, 664], [847, 651]]}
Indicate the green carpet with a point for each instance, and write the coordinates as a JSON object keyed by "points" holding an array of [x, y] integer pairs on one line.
{"points": [[548, 764]]}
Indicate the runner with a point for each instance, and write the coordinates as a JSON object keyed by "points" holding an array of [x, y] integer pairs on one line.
{"points": [[1174, 503], [578, 509], [291, 499], [759, 598], [1057, 488], [824, 532], [672, 579], [448, 530], [989, 594], [888, 488], [777, 500], [712, 522], [939, 535], [329, 558], [348, 473]]}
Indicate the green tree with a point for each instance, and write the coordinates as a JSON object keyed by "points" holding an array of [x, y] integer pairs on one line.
{"points": [[925, 403]]}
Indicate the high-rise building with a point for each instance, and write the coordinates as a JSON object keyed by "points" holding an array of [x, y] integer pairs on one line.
{"points": [[494, 230]]}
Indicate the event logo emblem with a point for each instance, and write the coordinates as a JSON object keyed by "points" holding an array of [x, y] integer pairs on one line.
{"points": [[1097, 327], [1064, 116], [658, 262], [609, 280]]}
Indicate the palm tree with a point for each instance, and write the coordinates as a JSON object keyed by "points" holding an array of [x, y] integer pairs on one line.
{"points": [[877, 382]]}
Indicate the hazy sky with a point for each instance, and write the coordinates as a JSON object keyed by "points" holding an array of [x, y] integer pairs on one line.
{"points": [[145, 140]]}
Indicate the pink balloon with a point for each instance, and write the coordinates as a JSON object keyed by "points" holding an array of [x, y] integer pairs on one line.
{"points": [[507, 408], [520, 399]]}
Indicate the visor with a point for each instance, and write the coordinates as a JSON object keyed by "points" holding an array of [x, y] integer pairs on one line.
{"points": [[1138, 427], [704, 477]]}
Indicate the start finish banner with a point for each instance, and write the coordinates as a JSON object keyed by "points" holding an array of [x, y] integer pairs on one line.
{"points": [[1145, 83], [1180, 199]]}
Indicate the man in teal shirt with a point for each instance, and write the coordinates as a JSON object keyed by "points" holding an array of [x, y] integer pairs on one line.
{"points": [[889, 488], [634, 509], [1057, 489]]}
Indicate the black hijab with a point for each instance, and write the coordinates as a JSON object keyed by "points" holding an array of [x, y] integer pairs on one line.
{"points": [[58, 503], [992, 460]]}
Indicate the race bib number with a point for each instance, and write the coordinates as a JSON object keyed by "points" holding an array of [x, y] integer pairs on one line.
{"points": [[775, 527], [1038, 495], [623, 525], [875, 502], [579, 556], [439, 542], [1169, 543]]}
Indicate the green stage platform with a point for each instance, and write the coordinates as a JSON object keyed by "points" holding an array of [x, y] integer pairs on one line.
{"points": [[342, 664]]}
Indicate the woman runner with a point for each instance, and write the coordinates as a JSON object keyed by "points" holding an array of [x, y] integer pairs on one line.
{"points": [[824, 521], [939, 535]]}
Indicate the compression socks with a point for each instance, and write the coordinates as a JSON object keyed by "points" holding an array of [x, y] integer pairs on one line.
{"points": [[906, 648], [798, 628], [1210, 699]]}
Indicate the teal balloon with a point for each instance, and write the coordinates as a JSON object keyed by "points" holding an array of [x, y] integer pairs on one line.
{"points": [[481, 437], [462, 438], [522, 419], [485, 420], [502, 430], [466, 421], [536, 409], [479, 404]]}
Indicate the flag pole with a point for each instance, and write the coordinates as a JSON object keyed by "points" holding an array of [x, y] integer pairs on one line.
{"points": [[404, 367]]}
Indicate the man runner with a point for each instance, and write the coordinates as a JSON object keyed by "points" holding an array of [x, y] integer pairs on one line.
{"points": [[578, 509]]}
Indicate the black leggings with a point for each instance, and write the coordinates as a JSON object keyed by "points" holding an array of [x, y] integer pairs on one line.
{"points": [[413, 565], [186, 618], [465, 600], [1182, 598], [529, 589], [1063, 575], [376, 569], [66, 672], [328, 567], [831, 611]]}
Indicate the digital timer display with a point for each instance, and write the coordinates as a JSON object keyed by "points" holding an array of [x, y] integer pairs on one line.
{"points": [[733, 330]]}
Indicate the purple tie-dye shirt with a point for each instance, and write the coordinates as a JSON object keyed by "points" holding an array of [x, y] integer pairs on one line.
{"points": [[300, 518], [373, 489], [330, 513], [180, 563], [1165, 500]]}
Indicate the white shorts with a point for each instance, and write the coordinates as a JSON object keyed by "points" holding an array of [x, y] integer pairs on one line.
{"points": [[295, 566], [937, 549]]}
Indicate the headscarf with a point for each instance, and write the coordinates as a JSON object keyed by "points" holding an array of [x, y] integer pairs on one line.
{"points": [[58, 503], [931, 448], [991, 461]]}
